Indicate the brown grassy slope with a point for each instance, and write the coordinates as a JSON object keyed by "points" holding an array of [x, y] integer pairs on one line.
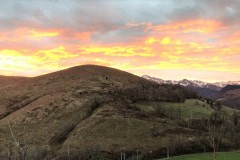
{"points": [[8, 83], [74, 108], [16, 93], [59, 94], [19, 92], [11, 80]]}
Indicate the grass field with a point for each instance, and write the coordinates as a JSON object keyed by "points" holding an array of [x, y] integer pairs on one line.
{"points": [[190, 108], [208, 156]]}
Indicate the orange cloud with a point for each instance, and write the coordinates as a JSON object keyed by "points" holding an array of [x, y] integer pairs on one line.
{"points": [[42, 34], [122, 51], [55, 54], [150, 41], [21, 34], [76, 35], [11, 60], [29, 64], [162, 41], [195, 25], [165, 41]]}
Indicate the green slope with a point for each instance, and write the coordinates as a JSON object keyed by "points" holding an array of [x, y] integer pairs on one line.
{"points": [[209, 156], [191, 108]]}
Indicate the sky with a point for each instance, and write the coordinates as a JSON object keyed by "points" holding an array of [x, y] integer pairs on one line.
{"points": [[168, 39]]}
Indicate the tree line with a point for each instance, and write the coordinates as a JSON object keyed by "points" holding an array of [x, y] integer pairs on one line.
{"points": [[149, 91]]}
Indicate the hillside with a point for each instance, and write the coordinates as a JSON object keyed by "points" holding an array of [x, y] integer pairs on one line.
{"points": [[8, 81], [190, 109], [229, 88], [90, 110], [231, 98]]}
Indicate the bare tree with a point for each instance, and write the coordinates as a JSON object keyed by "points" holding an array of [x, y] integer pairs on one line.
{"points": [[22, 149], [216, 126], [10, 153]]}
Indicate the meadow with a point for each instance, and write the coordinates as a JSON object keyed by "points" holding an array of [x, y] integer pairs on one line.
{"points": [[209, 156]]}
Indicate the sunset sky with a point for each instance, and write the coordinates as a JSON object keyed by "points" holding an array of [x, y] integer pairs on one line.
{"points": [[168, 39]]}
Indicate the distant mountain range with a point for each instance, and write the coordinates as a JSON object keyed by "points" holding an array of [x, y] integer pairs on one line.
{"points": [[193, 83], [204, 89]]}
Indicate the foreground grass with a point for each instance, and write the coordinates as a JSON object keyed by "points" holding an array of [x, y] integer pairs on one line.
{"points": [[208, 156]]}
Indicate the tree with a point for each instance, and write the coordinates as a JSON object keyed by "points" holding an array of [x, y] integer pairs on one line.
{"points": [[218, 105], [22, 149], [216, 127], [235, 118], [211, 103]]}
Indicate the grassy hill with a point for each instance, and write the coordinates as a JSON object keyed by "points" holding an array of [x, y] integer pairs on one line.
{"points": [[191, 108], [94, 111], [207, 156]]}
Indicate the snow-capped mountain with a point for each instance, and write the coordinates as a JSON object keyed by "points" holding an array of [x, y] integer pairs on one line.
{"points": [[224, 84], [193, 83], [203, 89]]}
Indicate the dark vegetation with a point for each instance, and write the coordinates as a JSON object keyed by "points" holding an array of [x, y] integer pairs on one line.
{"points": [[150, 91], [207, 93]]}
